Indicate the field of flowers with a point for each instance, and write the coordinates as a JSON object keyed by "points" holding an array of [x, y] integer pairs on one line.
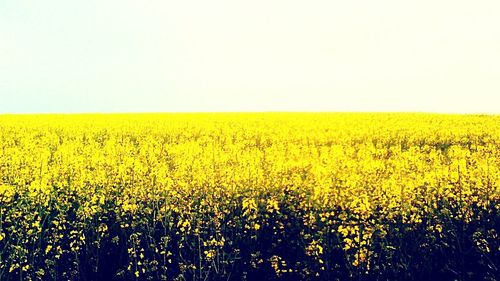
{"points": [[243, 196]]}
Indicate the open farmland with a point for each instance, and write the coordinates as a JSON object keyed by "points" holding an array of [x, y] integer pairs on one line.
{"points": [[241, 196]]}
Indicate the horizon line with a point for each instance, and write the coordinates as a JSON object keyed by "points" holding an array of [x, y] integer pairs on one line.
{"points": [[246, 112]]}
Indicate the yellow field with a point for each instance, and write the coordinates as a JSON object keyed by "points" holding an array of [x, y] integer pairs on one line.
{"points": [[234, 196]]}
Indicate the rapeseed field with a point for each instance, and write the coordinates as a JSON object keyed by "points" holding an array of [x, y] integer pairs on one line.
{"points": [[246, 196]]}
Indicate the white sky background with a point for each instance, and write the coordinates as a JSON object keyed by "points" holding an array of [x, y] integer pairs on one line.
{"points": [[259, 55]]}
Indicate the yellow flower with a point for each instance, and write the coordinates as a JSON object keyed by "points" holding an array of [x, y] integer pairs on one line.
{"points": [[6, 193]]}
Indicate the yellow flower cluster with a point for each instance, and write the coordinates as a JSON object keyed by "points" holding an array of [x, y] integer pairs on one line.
{"points": [[202, 194]]}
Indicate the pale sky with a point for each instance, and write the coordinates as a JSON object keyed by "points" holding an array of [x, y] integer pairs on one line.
{"points": [[258, 55]]}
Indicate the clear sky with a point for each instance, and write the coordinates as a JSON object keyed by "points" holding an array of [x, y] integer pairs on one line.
{"points": [[258, 55]]}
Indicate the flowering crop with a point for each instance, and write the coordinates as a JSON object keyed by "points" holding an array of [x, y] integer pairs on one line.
{"points": [[279, 196]]}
